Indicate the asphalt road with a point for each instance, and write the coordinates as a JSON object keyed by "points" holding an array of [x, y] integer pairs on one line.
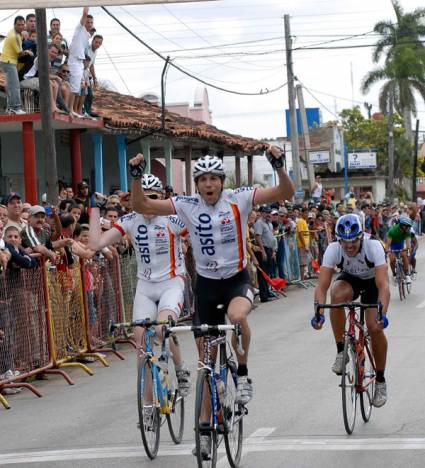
{"points": [[294, 421]]}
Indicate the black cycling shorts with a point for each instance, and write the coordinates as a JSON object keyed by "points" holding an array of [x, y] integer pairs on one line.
{"points": [[365, 288], [212, 293]]}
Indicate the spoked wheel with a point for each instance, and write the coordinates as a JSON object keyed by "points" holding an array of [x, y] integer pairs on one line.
{"points": [[149, 415], [175, 418], [204, 422], [400, 282], [368, 382], [233, 418], [348, 385]]}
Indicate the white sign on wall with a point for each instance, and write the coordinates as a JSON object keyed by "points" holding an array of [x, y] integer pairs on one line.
{"points": [[319, 157], [366, 160]]}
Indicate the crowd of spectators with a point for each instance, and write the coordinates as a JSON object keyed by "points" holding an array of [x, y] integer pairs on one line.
{"points": [[72, 73]]}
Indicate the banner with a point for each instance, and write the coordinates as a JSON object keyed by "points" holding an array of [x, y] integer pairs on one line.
{"points": [[29, 4], [362, 160], [319, 157]]}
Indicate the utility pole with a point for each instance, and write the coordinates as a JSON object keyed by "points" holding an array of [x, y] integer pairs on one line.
{"points": [[415, 162], [390, 188], [48, 139], [293, 114], [306, 135]]}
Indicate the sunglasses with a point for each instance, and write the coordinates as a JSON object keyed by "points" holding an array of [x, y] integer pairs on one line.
{"points": [[65, 71], [153, 196]]}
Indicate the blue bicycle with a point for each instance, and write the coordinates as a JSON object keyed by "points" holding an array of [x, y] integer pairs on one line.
{"points": [[158, 397]]}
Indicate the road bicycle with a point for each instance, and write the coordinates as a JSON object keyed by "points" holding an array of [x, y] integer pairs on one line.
{"points": [[158, 397], [217, 414], [400, 276], [359, 370]]}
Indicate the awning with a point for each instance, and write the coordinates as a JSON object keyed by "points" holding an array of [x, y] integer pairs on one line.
{"points": [[30, 4]]}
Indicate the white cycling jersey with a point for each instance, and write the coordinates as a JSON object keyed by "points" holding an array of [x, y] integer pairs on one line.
{"points": [[217, 232], [157, 243], [370, 256]]}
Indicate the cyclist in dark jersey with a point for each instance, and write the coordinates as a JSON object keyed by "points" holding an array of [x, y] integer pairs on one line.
{"points": [[398, 238]]}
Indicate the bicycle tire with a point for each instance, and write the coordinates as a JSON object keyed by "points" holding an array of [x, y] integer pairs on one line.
{"points": [[348, 385], [175, 419], [233, 418], [149, 427], [400, 281], [203, 388], [369, 375]]}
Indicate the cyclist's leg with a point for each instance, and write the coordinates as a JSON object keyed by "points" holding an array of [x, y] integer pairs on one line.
{"points": [[143, 307], [392, 262], [238, 311], [405, 261]]}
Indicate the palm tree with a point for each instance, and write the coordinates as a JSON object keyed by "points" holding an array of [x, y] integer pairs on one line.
{"points": [[404, 65]]}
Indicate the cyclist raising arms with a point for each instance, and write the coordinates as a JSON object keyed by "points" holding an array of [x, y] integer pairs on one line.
{"points": [[364, 273], [217, 222], [160, 266], [398, 237]]}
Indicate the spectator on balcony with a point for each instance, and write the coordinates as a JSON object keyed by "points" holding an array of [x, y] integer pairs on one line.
{"points": [[64, 93], [12, 51], [27, 61], [14, 206], [19, 258], [76, 58], [30, 23], [91, 53], [31, 80], [56, 40], [55, 26]]}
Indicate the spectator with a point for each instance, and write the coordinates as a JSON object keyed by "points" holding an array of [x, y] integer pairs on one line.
{"points": [[31, 80], [64, 94], [83, 197], [303, 241], [12, 50], [3, 215], [112, 214], [30, 23], [56, 40], [14, 211], [27, 61], [55, 26], [19, 258], [76, 58], [316, 192], [65, 206], [91, 53], [169, 191], [125, 202], [75, 211], [69, 192], [4, 253]]}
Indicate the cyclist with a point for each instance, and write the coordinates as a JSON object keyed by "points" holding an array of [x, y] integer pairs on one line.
{"points": [[160, 266], [364, 273], [398, 238], [217, 222]]}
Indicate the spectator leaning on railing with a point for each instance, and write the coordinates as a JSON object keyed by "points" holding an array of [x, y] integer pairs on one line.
{"points": [[14, 207], [12, 50]]}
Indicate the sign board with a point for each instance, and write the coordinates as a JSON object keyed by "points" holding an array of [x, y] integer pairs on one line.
{"points": [[319, 157], [29, 4], [362, 160]]}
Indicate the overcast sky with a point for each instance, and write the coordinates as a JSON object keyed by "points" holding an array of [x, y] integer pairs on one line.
{"points": [[333, 76]]}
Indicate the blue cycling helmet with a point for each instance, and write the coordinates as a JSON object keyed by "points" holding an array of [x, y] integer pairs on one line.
{"points": [[405, 221], [348, 228]]}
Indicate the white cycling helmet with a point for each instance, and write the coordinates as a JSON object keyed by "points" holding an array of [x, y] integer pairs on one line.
{"points": [[208, 165], [151, 182]]}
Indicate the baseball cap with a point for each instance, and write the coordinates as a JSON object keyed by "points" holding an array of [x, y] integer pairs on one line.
{"points": [[35, 210], [265, 209], [275, 212], [83, 184], [11, 196]]}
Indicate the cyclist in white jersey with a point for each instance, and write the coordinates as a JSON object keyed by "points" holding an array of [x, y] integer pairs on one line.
{"points": [[364, 273], [160, 266]]}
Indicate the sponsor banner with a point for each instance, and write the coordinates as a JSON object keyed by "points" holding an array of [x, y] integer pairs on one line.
{"points": [[319, 157], [362, 160]]}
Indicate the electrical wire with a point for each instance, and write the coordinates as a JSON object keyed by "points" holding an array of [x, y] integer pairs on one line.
{"points": [[117, 70], [177, 67], [317, 100], [10, 16]]}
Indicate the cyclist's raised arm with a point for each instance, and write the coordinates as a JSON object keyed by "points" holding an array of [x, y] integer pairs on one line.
{"points": [[284, 190], [325, 278], [381, 281], [98, 239], [140, 202]]}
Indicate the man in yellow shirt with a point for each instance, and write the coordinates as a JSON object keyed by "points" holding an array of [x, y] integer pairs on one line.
{"points": [[303, 241], [12, 50]]}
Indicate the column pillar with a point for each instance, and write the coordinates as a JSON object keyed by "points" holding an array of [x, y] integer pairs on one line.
{"points": [[98, 161], [250, 171], [168, 154], [30, 166], [146, 150], [76, 166], [188, 169], [237, 170], [122, 162]]}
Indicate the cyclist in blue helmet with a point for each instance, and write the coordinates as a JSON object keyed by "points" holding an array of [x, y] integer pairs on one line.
{"points": [[363, 272]]}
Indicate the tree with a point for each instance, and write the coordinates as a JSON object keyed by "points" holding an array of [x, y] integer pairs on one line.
{"points": [[404, 65]]}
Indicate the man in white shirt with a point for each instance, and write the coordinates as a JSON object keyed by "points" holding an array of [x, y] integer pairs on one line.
{"points": [[76, 57]]}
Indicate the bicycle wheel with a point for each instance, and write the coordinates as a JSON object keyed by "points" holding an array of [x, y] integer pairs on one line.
{"points": [[149, 416], [409, 285], [368, 382], [175, 418], [204, 397], [348, 385], [400, 281], [233, 418]]}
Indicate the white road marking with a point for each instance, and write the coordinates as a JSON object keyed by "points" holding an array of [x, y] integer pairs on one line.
{"points": [[421, 305], [256, 437], [251, 444]]}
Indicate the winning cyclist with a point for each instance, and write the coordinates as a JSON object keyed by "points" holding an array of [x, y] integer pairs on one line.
{"points": [[364, 273], [160, 266], [217, 222], [398, 238]]}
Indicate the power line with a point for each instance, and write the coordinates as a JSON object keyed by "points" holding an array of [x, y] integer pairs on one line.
{"points": [[266, 91], [10, 16], [317, 100], [117, 70]]}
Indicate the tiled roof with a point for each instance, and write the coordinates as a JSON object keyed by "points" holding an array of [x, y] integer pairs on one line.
{"points": [[123, 112]]}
